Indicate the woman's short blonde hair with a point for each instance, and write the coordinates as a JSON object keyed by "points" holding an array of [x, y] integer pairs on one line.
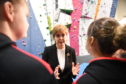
{"points": [[59, 28]]}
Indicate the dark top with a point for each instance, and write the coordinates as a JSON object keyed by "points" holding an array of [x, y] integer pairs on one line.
{"points": [[20, 67], [104, 70], [50, 56]]}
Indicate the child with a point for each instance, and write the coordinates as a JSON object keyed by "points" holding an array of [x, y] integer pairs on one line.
{"points": [[16, 65], [105, 38]]}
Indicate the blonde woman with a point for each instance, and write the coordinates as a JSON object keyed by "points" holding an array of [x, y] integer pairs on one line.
{"points": [[61, 57]]}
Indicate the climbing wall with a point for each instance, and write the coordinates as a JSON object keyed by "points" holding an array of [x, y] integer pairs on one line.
{"points": [[75, 14], [93, 9], [34, 43], [74, 29]]}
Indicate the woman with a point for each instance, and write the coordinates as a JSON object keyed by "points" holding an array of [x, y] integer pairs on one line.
{"points": [[105, 38], [61, 57], [16, 65]]}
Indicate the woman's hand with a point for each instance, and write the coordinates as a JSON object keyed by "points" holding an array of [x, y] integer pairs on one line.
{"points": [[56, 73], [75, 68]]}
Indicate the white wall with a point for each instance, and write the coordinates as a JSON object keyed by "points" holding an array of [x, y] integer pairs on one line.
{"points": [[120, 12]]}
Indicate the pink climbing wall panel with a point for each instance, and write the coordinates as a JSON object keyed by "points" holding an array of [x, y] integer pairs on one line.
{"points": [[74, 29]]}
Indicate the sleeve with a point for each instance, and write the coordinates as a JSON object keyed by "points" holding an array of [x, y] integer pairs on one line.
{"points": [[53, 80], [48, 77], [45, 54], [74, 60], [74, 56]]}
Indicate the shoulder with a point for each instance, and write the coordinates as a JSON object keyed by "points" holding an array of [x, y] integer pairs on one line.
{"points": [[70, 48], [50, 47], [32, 59], [85, 79]]}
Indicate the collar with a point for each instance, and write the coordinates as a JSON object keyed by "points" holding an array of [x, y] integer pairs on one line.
{"points": [[108, 58], [5, 41]]}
